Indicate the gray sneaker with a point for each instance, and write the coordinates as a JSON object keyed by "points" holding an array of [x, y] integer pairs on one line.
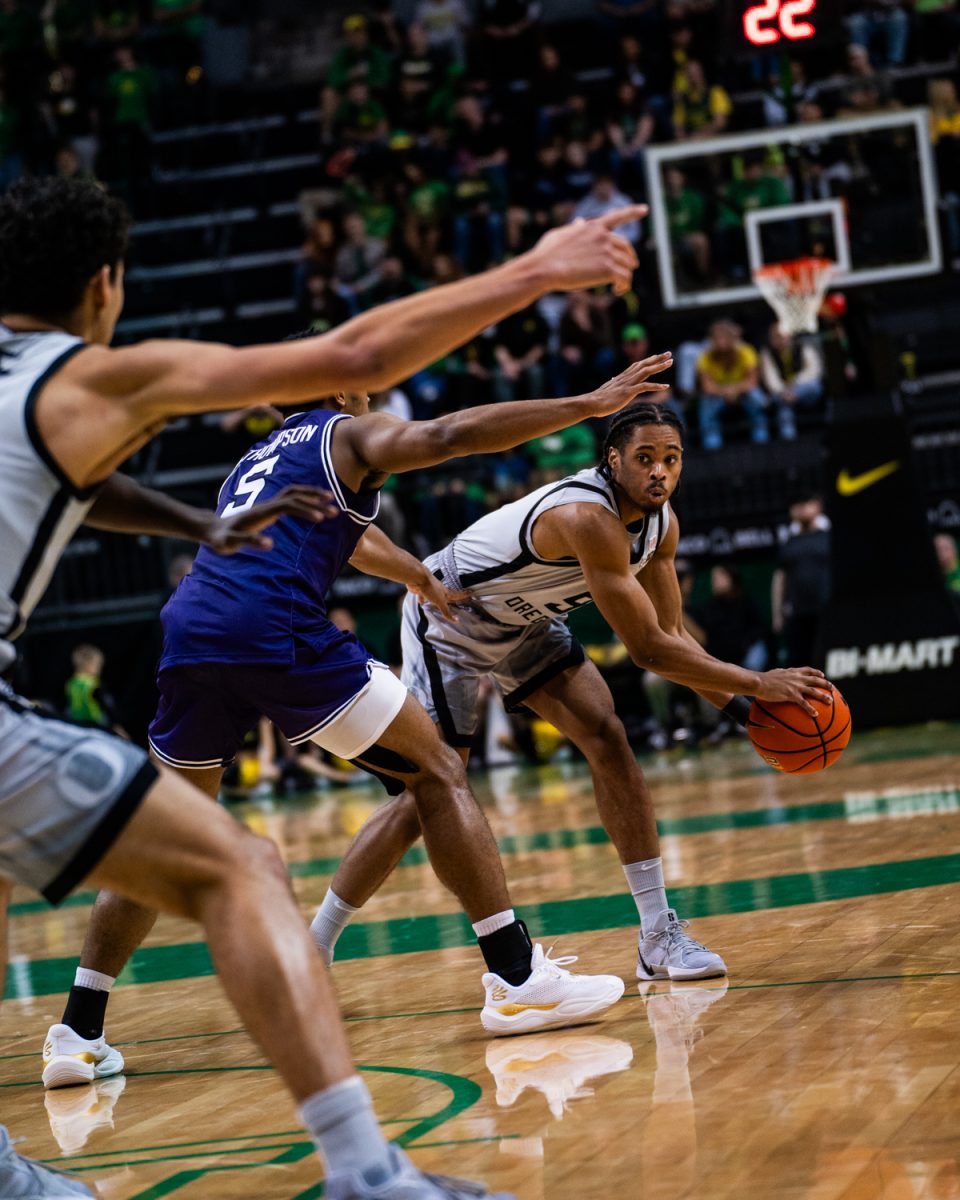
{"points": [[23, 1179], [666, 951], [404, 1182]]}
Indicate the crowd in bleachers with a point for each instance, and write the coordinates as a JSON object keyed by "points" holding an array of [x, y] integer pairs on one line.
{"points": [[80, 82], [451, 133], [458, 137]]}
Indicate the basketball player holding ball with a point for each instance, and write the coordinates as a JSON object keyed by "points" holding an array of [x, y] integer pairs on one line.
{"points": [[608, 536], [790, 739]]}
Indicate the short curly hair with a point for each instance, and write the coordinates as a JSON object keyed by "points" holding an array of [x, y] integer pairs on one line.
{"points": [[55, 235]]}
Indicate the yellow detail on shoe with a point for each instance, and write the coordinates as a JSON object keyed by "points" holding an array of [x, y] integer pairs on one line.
{"points": [[83, 1055], [512, 1010], [516, 1065], [499, 992]]}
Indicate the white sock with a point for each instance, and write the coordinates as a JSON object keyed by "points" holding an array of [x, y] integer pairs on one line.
{"points": [[333, 916], [645, 880], [93, 979], [490, 925], [344, 1128]]}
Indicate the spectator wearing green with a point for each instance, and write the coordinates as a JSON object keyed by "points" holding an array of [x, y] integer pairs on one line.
{"points": [[374, 202], [755, 187], [360, 118], [562, 453], [131, 89], [428, 201], [949, 561], [687, 221], [130, 93], [356, 59], [83, 687]]}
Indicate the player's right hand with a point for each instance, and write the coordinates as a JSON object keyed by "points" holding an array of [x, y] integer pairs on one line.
{"points": [[799, 684], [589, 253], [616, 393]]}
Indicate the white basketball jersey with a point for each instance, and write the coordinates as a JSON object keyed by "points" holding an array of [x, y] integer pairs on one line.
{"points": [[496, 560], [39, 507]]}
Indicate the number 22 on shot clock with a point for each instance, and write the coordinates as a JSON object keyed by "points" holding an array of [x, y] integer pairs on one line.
{"points": [[768, 22], [786, 24]]}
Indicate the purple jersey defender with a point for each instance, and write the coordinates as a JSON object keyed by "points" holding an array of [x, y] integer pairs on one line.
{"points": [[248, 636]]}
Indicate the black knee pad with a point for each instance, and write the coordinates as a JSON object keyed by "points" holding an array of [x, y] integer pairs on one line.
{"points": [[377, 761]]}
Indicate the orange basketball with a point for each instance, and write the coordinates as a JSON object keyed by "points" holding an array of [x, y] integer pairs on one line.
{"points": [[790, 740]]}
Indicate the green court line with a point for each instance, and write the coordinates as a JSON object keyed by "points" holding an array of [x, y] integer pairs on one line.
{"points": [[188, 1157], [464, 1094], [905, 977], [930, 801], [496, 1137], [407, 935], [296, 1134], [925, 802], [246, 1137]]}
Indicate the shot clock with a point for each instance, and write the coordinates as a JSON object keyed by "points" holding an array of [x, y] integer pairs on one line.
{"points": [[783, 26]]}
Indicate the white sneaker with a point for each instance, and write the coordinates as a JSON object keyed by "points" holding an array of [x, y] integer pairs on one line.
{"points": [[558, 1065], [75, 1113], [68, 1058], [666, 952], [551, 996]]}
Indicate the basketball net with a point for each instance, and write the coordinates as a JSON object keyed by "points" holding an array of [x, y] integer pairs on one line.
{"points": [[795, 291]]}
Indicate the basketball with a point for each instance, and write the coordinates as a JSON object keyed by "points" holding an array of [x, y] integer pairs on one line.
{"points": [[788, 739]]}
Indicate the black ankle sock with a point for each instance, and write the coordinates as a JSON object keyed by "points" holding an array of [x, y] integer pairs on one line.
{"points": [[508, 952], [86, 1008]]}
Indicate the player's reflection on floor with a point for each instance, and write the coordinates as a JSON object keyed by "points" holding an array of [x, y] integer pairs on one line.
{"points": [[78, 1112], [558, 1065], [674, 1011]]}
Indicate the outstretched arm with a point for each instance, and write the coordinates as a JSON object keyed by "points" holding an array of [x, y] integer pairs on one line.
{"points": [[384, 444], [380, 347], [125, 506], [596, 537], [127, 394]]}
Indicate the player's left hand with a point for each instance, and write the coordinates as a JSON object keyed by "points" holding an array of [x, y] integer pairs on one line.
{"points": [[430, 590], [244, 531]]}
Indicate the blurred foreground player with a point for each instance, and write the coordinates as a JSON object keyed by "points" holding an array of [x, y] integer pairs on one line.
{"points": [[78, 804], [253, 639], [608, 536]]}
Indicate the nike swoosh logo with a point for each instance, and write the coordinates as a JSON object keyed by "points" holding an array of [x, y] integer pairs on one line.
{"points": [[850, 485]]}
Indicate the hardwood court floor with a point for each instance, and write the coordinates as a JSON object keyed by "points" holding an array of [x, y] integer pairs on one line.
{"points": [[828, 1068]]}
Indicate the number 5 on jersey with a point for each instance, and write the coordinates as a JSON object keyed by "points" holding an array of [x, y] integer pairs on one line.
{"points": [[250, 485]]}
